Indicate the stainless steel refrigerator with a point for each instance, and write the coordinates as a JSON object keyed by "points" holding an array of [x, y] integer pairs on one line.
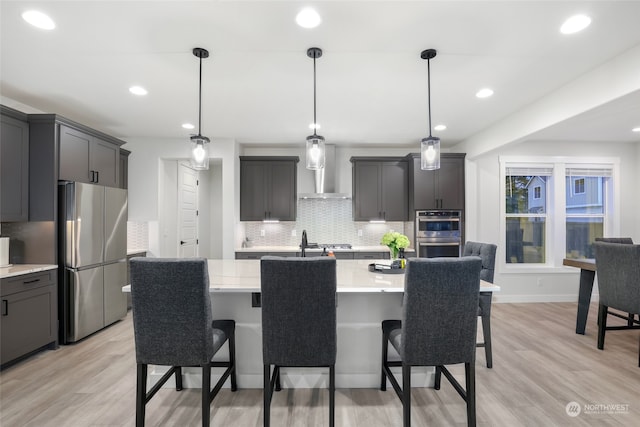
{"points": [[92, 257]]}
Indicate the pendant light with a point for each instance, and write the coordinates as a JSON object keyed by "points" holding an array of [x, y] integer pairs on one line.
{"points": [[315, 142], [430, 146], [200, 144]]}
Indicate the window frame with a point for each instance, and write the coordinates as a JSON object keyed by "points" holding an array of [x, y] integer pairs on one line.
{"points": [[555, 229]]}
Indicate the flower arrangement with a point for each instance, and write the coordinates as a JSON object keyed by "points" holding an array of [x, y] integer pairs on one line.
{"points": [[395, 241]]}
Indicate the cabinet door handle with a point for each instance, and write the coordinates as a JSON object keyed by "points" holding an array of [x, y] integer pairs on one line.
{"points": [[182, 242], [28, 282], [5, 307], [91, 176], [97, 176]]}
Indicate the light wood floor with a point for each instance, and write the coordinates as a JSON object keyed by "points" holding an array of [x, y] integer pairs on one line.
{"points": [[540, 365]]}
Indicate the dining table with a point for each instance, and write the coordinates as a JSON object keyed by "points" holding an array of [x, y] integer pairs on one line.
{"points": [[587, 268]]}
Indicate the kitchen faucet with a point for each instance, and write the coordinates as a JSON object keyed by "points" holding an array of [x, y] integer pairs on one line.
{"points": [[304, 243]]}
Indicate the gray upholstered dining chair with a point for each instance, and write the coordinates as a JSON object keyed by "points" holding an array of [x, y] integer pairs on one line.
{"points": [[438, 327], [624, 241], [173, 326], [486, 252], [298, 320], [618, 269]]}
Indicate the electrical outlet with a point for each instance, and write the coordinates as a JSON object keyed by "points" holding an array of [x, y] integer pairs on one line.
{"points": [[293, 233], [262, 233], [359, 233], [539, 282]]}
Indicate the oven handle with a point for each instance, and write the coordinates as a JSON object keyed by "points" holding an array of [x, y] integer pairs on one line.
{"points": [[440, 219], [439, 244]]}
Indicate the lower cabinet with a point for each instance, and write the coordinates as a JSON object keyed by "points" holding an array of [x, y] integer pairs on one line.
{"points": [[258, 255], [316, 252], [371, 255], [29, 319]]}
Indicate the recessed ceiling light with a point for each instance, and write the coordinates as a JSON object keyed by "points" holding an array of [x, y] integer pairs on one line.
{"points": [[38, 19], [484, 93], [439, 127], [308, 18], [635, 129], [313, 126], [575, 23], [188, 126], [138, 90]]}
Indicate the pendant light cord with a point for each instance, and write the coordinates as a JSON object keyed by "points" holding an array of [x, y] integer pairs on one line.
{"points": [[200, 100], [315, 124], [429, 92]]}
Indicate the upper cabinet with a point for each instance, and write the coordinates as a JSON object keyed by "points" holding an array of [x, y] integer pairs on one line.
{"points": [[123, 181], [87, 158], [61, 149], [14, 168], [380, 188], [437, 189], [268, 188]]}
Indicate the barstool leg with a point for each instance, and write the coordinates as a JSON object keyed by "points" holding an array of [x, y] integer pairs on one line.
{"points": [[486, 333], [332, 395], [266, 395], [206, 395], [406, 395], [141, 393], [470, 379]]}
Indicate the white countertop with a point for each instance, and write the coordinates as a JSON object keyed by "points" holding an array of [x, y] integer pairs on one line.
{"points": [[19, 269], [273, 249], [353, 276], [135, 251]]}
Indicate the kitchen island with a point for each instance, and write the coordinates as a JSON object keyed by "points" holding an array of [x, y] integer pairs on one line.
{"points": [[364, 300]]}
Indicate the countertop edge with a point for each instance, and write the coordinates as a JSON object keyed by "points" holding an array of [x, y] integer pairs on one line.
{"points": [[21, 269]]}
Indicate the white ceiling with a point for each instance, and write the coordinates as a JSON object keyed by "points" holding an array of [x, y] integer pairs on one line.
{"points": [[258, 81]]}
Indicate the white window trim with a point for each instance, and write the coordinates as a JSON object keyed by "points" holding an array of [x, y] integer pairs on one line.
{"points": [[555, 231]]}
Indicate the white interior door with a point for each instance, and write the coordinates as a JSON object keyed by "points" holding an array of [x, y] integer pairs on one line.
{"points": [[187, 212]]}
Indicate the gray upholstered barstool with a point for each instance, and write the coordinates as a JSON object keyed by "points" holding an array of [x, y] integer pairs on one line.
{"points": [[173, 326], [438, 327], [298, 320], [486, 252]]}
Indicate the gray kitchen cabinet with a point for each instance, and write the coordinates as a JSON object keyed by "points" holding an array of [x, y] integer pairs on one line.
{"points": [[123, 170], [437, 189], [371, 255], [260, 254], [61, 149], [380, 187], [29, 319], [14, 168], [87, 158], [268, 188]]}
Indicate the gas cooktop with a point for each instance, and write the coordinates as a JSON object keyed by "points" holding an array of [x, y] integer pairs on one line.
{"points": [[335, 245]]}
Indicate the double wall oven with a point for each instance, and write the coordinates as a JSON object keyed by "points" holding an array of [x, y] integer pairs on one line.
{"points": [[438, 233]]}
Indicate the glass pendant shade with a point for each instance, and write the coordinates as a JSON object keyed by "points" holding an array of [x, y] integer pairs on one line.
{"points": [[199, 157], [430, 153], [199, 153], [315, 152]]}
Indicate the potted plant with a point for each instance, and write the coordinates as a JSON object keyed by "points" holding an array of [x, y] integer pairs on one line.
{"points": [[395, 242]]}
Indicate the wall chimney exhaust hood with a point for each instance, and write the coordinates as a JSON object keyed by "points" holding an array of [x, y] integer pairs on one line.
{"points": [[325, 179]]}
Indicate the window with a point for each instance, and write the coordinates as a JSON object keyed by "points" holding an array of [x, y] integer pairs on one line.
{"points": [[585, 208], [526, 214], [540, 226]]}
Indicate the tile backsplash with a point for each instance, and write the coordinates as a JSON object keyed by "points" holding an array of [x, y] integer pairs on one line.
{"points": [[137, 235], [326, 221]]}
